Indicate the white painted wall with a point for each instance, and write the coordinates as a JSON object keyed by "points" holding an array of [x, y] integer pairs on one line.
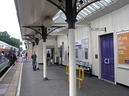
{"points": [[63, 38], [114, 22], [60, 39], [122, 76], [29, 51], [81, 32], [50, 42]]}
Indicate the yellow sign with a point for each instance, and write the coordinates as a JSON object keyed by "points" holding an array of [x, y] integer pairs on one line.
{"points": [[55, 52], [123, 48]]}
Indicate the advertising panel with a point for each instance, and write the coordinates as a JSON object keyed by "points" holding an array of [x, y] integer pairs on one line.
{"points": [[123, 47]]}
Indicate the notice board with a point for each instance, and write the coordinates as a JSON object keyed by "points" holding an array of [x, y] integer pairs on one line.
{"points": [[123, 47]]}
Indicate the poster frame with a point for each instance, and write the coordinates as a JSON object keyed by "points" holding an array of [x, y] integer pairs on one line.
{"points": [[122, 66]]}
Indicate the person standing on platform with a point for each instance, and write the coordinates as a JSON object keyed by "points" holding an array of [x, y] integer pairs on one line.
{"points": [[48, 57], [34, 63], [26, 56], [14, 58]]}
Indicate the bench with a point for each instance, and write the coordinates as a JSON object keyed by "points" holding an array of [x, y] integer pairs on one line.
{"points": [[87, 67]]}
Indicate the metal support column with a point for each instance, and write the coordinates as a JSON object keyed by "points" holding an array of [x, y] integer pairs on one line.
{"points": [[37, 67], [44, 62], [72, 63], [71, 20], [44, 36], [37, 42]]}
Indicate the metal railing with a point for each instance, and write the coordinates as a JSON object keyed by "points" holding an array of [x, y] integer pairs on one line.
{"points": [[80, 75]]}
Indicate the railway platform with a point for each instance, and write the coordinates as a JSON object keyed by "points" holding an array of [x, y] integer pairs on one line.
{"points": [[32, 84], [10, 80]]}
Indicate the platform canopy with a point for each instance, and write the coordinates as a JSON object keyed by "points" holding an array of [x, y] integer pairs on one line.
{"points": [[41, 12]]}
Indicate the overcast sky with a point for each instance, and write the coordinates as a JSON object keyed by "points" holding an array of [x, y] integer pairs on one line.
{"points": [[8, 18]]}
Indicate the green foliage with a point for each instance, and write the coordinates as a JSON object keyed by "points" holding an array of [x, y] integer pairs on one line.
{"points": [[5, 37]]}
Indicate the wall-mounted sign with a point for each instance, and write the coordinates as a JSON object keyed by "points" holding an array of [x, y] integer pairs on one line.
{"points": [[123, 47], [82, 49], [85, 44]]}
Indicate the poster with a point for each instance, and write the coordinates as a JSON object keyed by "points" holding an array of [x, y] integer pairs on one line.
{"points": [[84, 43], [82, 50], [79, 52], [123, 47]]}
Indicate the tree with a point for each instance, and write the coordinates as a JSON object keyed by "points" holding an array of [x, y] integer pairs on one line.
{"points": [[5, 37]]}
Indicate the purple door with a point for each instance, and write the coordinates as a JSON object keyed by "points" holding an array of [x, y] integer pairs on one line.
{"points": [[107, 57]]}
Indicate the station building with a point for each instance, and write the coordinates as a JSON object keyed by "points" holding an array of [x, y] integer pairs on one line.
{"points": [[98, 39]]}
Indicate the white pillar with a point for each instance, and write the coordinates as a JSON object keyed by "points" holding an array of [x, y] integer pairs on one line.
{"points": [[32, 50], [44, 61], [72, 63], [37, 52], [55, 53]]}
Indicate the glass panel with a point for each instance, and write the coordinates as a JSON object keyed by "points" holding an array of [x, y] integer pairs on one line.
{"points": [[108, 1], [55, 17], [82, 15], [84, 12], [63, 16], [87, 10], [93, 7], [96, 6], [100, 4], [78, 17], [104, 3], [90, 8]]}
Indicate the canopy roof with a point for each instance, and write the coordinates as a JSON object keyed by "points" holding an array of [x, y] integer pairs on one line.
{"points": [[35, 12], [87, 11]]}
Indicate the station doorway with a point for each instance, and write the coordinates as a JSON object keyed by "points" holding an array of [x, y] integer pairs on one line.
{"points": [[107, 57]]}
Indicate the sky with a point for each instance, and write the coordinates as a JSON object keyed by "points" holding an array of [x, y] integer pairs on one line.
{"points": [[8, 19]]}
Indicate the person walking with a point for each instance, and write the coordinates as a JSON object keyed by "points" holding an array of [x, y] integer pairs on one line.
{"points": [[34, 63]]}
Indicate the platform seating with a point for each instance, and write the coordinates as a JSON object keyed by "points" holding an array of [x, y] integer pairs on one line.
{"points": [[87, 67]]}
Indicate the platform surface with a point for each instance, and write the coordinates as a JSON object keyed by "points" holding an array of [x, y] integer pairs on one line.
{"points": [[57, 85], [6, 81]]}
